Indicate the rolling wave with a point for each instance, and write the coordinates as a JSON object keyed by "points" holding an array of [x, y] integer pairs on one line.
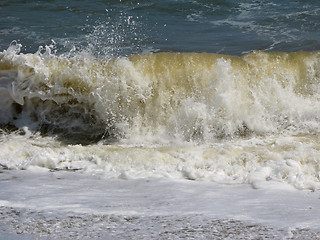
{"points": [[197, 97]]}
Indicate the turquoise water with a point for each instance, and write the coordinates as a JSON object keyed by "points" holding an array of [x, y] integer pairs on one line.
{"points": [[127, 27]]}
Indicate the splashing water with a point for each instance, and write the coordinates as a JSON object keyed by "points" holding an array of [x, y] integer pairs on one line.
{"points": [[194, 115]]}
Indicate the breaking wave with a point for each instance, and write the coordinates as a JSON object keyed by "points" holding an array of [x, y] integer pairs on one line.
{"points": [[188, 96], [229, 119]]}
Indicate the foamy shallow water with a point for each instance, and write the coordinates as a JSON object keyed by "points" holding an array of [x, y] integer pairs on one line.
{"points": [[259, 161], [60, 205]]}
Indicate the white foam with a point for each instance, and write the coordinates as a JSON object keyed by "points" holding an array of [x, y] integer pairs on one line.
{"points": [[262, 162], [250, 119], [65, 193]]}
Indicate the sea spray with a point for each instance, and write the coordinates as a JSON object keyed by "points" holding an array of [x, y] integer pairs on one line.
{"points": [[193, 96], [200, 116]]}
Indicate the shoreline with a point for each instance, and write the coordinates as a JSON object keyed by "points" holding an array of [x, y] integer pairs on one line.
{"points": [[43, 226], [71, 205]]}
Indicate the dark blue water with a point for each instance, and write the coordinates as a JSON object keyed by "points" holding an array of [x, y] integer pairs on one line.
{"points": [[126, 27]]}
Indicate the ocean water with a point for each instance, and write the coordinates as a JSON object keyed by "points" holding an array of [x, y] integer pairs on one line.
{"points": [[217, 92]]}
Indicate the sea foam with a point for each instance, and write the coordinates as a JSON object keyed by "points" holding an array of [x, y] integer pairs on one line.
{"points": [[200, 116]]}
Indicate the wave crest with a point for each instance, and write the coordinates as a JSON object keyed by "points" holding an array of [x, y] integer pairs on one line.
{"points": [[187, 96]]}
